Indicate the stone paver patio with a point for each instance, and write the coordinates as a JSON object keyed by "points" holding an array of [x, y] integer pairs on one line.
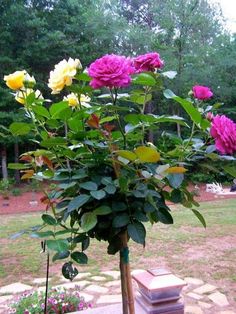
{"points": [[104, 290]]}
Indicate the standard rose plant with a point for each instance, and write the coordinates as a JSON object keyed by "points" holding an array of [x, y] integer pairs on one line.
{"points": [[110, 180]]}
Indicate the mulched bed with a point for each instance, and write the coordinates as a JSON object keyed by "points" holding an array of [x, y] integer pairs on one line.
{"points": [[26, 202]]}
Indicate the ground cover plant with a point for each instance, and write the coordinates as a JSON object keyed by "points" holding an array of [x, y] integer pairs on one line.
{"points": [[98, 145]]}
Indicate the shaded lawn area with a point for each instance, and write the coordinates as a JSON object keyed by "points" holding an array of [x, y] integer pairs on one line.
{"points": [[186, 248]]}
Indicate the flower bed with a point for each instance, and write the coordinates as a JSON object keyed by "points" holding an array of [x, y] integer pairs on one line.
{"points": [[59, 301]]}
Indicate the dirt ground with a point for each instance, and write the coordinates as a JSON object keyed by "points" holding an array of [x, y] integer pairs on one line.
{"points": [[30, 201]]}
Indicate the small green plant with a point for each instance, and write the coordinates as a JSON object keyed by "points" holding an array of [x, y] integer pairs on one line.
{"points": [[16, 192], [4, 188], [59, 301]]}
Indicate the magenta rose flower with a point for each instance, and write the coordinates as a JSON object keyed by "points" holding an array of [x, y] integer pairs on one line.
{"points": [[202, 92], [111, 71], [148, 62], [223, 130]]}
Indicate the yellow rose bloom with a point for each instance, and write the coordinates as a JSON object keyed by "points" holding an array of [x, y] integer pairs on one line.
{"points": [[72, 99], [15, 80], [63, 74], [22, 94]]}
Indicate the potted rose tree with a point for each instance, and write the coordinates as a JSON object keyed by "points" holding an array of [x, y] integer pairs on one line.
{"points": [[93, 145]]}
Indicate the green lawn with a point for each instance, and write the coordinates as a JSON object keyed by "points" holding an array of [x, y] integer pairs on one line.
{"points": [[185, 247]]}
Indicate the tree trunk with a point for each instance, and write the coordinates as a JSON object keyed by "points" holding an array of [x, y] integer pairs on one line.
{"points": [[16, 158], [4, 163], [126, 280]]}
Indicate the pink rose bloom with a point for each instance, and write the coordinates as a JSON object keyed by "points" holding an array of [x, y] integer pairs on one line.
{"points": [[111, 71], [148, 62], [223, 130], [202, 92], [209, 116]]}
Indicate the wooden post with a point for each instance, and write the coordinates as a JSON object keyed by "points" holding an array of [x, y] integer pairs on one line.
{"points": [[126, 280]]}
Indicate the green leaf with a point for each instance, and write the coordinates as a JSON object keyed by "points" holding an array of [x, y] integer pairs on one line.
{"points": [[115, 245], [18, 166], [83, 77], [102, 210], [85, 243], [41, 111], [20, 128], [79, 257], [199, 216], [140, 98], [147, 154], [69, 271], [164, 216], [77, 202], [107, 119], [88, 221], [106, 180], [230, 170], [176, 196], [54, 141], [137, 232], [60, 255], [110, 189], [98, 195], [118, 206], [126, 154], [175, 180], [49, 220], [144, 79], [43, 234], [121, 221], [56, 108], [59, 245], [193, 113], [89, 185]]}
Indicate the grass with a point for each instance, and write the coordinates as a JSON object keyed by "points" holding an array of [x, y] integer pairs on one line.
{"points": [[185, 247]]}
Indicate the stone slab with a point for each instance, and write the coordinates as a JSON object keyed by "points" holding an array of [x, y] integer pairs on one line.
{"points": [[96, 289], [5, 298], [72, 285], [227, 312], [78, 277], [218, 298], [40, 281], [114, 309], [109, 299], [204, 289], [98, 278], [205, 305], [194, 296], [113, 273], [14, 288], [87, 297], [193, 309], [193, 281], [114, 283]]}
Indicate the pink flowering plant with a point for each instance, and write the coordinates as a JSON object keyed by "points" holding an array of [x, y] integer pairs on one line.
{"points": [[94, 145], [60, 301]]}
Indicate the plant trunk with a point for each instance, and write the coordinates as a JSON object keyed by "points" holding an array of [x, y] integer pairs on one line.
{"points": [[126, 280], [4, 163], [16, 158]]}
